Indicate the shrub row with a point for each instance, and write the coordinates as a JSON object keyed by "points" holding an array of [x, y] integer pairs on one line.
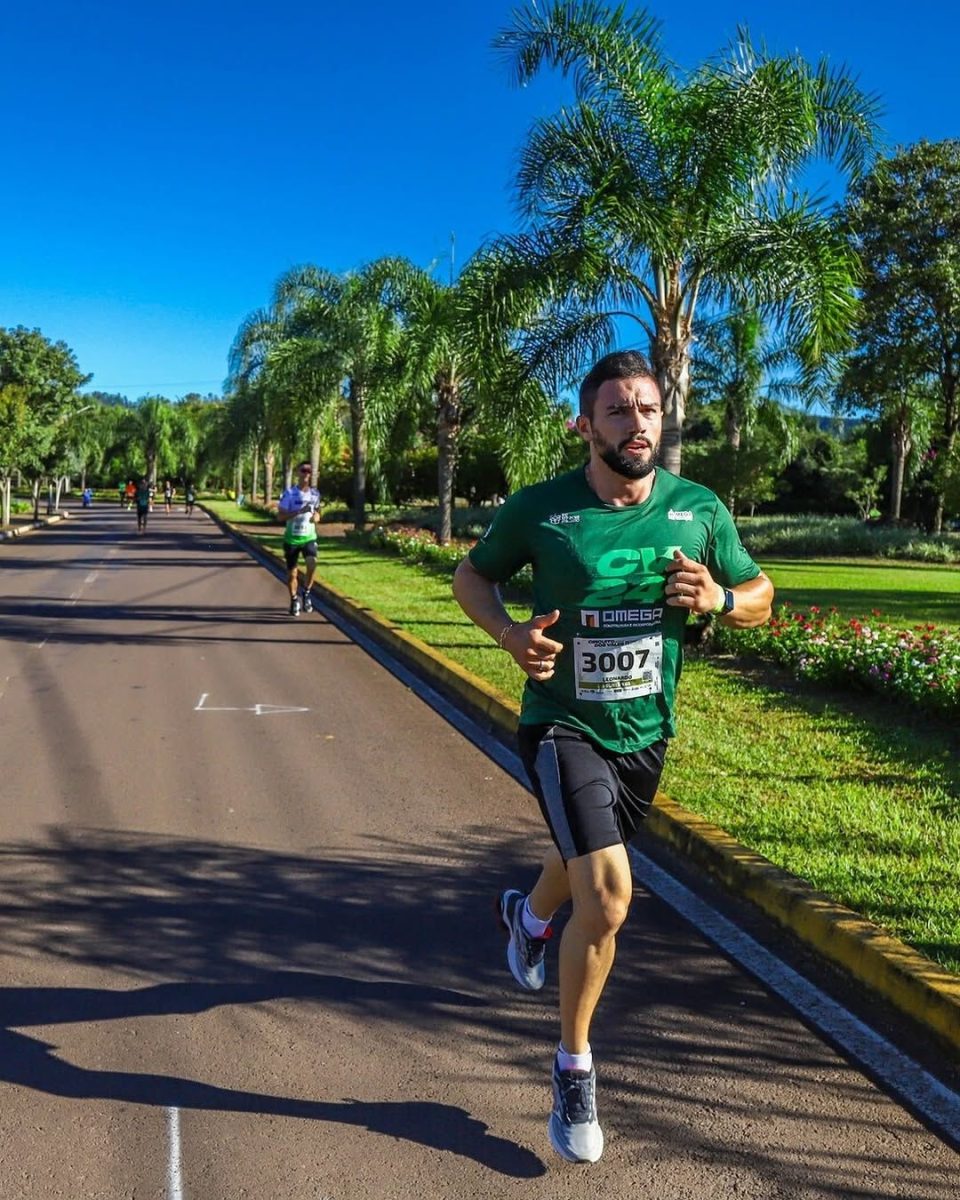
{"points": [[843, 537]]}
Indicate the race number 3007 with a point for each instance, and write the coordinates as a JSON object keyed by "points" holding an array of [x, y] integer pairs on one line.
{"points": [[617, 668]]}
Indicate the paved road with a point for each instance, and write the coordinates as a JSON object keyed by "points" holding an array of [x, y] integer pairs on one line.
{"points": [[245, 937]]}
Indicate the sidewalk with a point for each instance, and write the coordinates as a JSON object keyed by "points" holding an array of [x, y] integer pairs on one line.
{"points": [[23, 523]]}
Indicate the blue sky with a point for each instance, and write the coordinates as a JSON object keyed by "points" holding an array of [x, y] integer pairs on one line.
{"points": [[165, 163]]}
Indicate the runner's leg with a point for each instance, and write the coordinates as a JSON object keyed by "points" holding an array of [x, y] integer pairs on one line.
{"points": [[601, 886]]}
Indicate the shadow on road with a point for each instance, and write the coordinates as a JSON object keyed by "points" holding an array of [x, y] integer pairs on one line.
{"points": [[233, 927], [696, 1048]]}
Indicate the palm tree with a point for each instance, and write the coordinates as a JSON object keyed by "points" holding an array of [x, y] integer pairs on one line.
{"points": [[458, 354], [154, 422], [748, 374], [348, 332], [660, 190]]}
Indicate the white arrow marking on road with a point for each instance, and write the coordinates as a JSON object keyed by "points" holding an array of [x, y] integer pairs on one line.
{"points": [[258, 710]]}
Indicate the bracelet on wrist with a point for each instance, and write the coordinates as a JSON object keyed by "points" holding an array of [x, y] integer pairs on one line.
{"points": [[503, 633]]}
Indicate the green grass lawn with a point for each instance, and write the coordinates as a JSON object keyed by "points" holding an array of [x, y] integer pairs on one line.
{"points": [[904, 593], [845, 791]]}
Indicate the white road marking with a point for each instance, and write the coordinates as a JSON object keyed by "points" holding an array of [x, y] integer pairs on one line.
{"points": [[174, 1156], [258, 710], [895, 1071]]}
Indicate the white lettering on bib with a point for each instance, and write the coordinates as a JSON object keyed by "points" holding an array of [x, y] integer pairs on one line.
{"points": [[618, 668]]}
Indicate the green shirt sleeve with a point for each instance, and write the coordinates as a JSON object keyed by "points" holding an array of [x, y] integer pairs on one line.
{"points": [[504, 548], [727, 560]]}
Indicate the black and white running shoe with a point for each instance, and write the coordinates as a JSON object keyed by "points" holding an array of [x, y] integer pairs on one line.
{"points": [[524, 953], [573, 1127], [307, 601], [294, 606]]}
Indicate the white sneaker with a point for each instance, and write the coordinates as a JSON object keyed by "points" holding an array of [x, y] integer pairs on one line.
{"points": [[573, 1127]]}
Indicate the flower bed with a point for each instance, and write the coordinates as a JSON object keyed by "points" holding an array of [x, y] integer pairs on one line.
{"points": [[920, 665], [420, 546]]}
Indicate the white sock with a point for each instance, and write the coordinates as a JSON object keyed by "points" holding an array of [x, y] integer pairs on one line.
{"points": [[574, 1062], [531, 923]]}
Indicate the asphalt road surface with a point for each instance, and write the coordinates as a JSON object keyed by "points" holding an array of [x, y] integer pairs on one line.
{"points": [[246, 934]]}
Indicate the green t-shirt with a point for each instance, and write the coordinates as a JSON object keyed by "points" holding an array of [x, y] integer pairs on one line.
{"points": [[603, 567]]}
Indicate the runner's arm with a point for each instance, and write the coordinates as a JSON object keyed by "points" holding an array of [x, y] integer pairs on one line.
{"points": [[524, 641]]}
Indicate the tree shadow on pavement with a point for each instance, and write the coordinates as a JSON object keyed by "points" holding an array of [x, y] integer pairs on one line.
{"points": [[398, 936], [233, 927]]}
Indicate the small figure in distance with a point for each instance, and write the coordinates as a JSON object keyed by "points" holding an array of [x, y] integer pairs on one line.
{"points": [[87, 497], [130, 493], [144, 504], [300, 507], [189, 496], [623, 552], [168, 493]]}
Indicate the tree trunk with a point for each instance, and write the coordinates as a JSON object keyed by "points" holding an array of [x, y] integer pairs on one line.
{"points": [[5, 501], [951, 426], [901, 445], [733, 430], [315, 456], [255, 472], [358, 437], [36, 499], [670, 355], [448, 435], [269, 458]]}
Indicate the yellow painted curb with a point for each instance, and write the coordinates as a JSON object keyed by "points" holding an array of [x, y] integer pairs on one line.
{"points": [[913, 984]]}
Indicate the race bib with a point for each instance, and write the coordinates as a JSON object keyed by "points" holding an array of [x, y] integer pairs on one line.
{"points": [[617, 668], [302, 524]]}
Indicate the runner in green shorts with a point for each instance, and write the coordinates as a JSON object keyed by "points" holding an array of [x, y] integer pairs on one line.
{"points": [[622, 553], [300, 505]]}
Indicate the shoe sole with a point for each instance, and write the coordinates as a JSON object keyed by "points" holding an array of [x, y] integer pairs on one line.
{"points": [[567, 1155]]}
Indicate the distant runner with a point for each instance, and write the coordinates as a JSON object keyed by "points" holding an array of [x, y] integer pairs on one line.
{"points": [[143, 496], [189, 497], [622, 553], [300, 504]]}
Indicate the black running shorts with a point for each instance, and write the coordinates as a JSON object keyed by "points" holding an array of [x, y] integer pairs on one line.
{"points": [[292, 553], [590, 797]]}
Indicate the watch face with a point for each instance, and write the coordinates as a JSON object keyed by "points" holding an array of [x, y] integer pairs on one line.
{"points": [[728, 600]]}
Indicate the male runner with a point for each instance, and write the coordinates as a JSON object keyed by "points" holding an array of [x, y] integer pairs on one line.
{"points": [[622, 553], [143, 497], [300, 504]]}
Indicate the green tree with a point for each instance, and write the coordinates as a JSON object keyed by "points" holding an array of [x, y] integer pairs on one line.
{"points": [[344, 329], [458, 356], [659, 190], [904, 221], [38, 396], [748, 374], [154, 426]]}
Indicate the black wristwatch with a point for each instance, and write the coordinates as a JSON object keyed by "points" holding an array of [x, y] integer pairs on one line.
{"points": [[727, 604]]}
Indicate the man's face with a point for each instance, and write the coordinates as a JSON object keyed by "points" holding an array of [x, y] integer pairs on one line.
{"points": [[626, 426]]}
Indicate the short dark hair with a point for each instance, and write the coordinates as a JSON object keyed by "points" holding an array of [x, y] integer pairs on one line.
{"points": [[306, 463], [621, 364]]}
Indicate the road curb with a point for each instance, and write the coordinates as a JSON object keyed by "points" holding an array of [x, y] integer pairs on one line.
{"points": [[18, 531], [915, 986]]}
